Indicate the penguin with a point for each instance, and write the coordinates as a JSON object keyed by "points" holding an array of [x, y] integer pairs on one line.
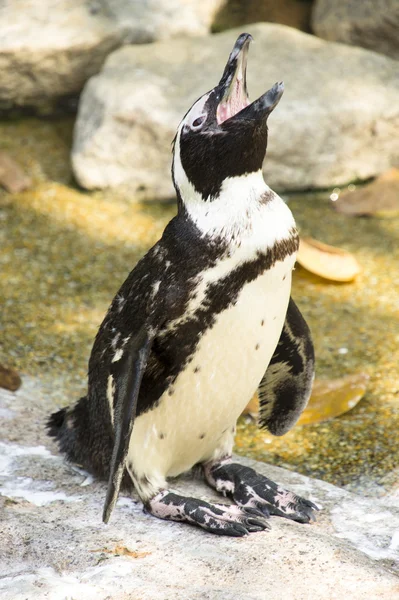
{"points": [[203, 320]]}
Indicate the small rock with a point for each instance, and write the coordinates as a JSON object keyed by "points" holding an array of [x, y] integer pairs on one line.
{"points": [[49, 49], [372, 24], [379, 198], [338, 120], [9, 378]]}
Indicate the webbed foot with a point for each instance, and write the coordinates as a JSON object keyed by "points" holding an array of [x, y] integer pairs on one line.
{"points": [[249, 489], [221, 519]]}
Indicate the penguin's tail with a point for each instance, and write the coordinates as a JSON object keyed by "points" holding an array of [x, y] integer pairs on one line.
{"points": [[83, 437], [56, 422], [64, 427]]}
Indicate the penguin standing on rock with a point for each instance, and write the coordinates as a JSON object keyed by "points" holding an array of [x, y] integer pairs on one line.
{"points": [[203, 321]]}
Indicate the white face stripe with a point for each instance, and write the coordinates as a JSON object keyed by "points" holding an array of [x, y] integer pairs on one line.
{"points": [[186, 189], [197, 110]]}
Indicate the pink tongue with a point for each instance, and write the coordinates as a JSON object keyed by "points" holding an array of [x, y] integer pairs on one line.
{"points": [[238, 101], [223, 112]]}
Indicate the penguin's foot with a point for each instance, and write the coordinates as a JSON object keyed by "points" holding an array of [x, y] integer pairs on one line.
{"points": [[249, 489], [221, 519]]}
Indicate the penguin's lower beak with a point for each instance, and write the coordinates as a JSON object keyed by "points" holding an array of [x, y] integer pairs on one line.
{"points": [[233, 85]]}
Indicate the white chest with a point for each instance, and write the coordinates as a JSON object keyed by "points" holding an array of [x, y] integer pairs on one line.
{"points": [[194, 420], [211, 392]]}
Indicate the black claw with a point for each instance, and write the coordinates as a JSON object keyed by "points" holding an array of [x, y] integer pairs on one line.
{"points": [[257, 512], [305, 511], [237, 530], [300, 517], [308, 513], [311, 505], [302, 514], [254, 528], [265, 510], [256, 524]]}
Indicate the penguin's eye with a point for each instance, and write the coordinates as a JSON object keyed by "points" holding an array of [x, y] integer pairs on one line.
{"points": [[197, 123]]}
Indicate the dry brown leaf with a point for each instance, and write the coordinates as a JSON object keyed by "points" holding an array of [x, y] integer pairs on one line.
{"points": [[333, 397], [330, 398], [327, 261], [9, 378], [12, 177], [122, 551], [379, 198]]}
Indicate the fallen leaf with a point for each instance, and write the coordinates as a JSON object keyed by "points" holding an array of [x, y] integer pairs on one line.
{"points": [[122, 551], [9, 378], [12, 177], [333, 397], [327, 261], [330, 398], [379, 198]]}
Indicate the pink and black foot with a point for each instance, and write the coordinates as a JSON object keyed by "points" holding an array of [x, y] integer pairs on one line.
{"points": [[221, 519], [249, 489]]}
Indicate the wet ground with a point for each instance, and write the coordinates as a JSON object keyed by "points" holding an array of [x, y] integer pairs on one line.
{"points": [[64, 253]]}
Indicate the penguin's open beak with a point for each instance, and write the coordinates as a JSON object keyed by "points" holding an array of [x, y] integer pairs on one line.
{"points": [[234, 101]]}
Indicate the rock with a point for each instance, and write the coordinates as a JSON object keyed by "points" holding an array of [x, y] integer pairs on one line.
{"points": [[12, 177], [372, 24], [379, 198], [338, 120], [9, 378], [45, 58], [53, 544], [235, 13]]}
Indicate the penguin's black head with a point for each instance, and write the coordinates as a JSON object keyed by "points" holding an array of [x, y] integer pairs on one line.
{"points": [[223, 135]]}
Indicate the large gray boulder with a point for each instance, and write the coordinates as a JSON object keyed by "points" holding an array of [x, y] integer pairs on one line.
{"points": [[53, 544], [49, 49], [338, 120], [234, 13], [372, 24]]}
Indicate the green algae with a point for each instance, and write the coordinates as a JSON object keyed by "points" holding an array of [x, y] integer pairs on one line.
{"points": [[64, 253]]}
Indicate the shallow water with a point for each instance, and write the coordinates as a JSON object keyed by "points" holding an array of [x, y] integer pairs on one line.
{"points": [[64, 252]]}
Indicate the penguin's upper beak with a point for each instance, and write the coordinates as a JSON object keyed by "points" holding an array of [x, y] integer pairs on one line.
{"points": [[234, 101]]}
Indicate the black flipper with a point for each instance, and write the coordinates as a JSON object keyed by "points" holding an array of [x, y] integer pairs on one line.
{"points": [[127, 372], [286, 386]]}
